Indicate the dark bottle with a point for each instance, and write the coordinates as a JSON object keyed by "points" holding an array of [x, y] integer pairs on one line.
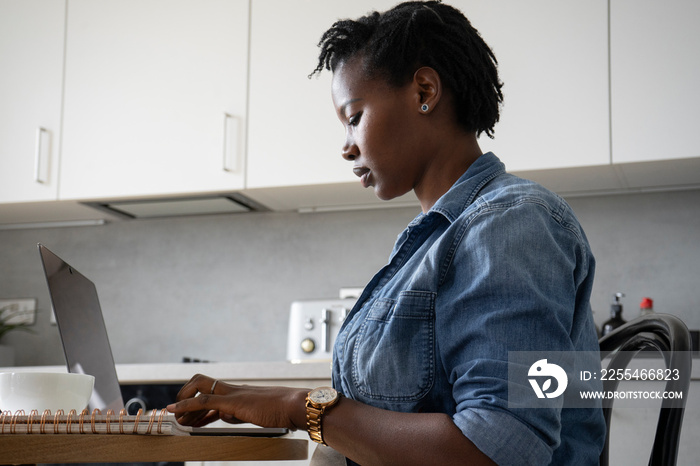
{"points": [[616, 319]]}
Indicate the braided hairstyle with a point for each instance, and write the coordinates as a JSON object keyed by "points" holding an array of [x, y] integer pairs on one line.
{"points": [[394, 44]]}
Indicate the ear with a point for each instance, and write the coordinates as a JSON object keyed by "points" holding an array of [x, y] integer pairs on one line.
{"points": [[428, 87]]}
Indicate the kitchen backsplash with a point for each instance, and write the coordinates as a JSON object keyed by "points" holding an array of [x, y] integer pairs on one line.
{"points": [[219, 288]]}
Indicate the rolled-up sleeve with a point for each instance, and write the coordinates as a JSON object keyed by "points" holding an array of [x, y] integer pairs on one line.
{"points": [[512, 286], [496, 432]]}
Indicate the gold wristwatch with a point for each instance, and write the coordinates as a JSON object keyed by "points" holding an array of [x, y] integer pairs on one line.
{"points": [[317, 401]]}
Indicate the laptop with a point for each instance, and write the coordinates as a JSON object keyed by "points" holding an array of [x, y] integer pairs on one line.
{"points": [[86, 345]]}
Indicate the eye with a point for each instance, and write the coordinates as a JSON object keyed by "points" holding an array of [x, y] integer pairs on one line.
{"points": [[355, 119]]}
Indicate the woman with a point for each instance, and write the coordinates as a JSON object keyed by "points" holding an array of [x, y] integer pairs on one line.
{"points": [[492, 264]]}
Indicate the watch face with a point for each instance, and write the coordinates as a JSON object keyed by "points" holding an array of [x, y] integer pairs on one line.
{"points": [[323, 395]]}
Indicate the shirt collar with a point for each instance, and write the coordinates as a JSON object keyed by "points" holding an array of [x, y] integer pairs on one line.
{"points": [[464, 191]]}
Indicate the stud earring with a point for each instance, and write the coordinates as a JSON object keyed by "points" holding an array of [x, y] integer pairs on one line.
{"points": [[424, 108]]}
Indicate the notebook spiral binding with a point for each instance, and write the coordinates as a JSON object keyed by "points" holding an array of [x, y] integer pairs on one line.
{"points": [[87, 423]]}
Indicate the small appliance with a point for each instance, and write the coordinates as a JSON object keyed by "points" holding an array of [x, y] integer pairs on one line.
{"points": [[313, 327]]}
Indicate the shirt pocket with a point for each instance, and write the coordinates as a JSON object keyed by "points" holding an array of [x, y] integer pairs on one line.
{"points": [[394, 353]]}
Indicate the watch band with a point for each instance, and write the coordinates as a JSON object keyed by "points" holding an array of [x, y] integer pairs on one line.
{"points": [[313, 423]]}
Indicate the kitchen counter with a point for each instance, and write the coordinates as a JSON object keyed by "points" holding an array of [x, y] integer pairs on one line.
{"points": [[316, 373], [254, 372]]}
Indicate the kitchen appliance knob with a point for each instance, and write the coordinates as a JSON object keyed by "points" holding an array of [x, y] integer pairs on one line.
{"points": [[133, 405], [308, 345]]}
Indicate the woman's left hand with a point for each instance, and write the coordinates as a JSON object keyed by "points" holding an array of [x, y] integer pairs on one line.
{"points": [[198, 405]]}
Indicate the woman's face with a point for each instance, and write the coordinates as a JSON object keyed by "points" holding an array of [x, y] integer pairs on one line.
{"points": [[382, 130]]}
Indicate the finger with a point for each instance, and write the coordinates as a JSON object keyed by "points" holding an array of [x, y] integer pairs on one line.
{"points": [[191, 411], [188, 390], [210, 417], [231, 419], [191, 418], [204, 402], [198, 418], [202, 418], [197, 384]]}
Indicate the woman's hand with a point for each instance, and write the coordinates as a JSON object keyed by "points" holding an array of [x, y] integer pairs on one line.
{"points": [[198, 405]]}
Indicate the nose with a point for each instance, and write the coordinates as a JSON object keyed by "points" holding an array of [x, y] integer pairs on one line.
{"points": [[350, 151]]}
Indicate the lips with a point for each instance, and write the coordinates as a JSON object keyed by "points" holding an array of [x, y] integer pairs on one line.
{"points": [[363, 174]]}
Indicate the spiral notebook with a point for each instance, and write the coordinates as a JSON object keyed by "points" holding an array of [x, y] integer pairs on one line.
{"points": [[158, 422], [87, 350]]}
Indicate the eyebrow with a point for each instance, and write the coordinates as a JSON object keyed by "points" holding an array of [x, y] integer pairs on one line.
{"points": [[345, 105]]}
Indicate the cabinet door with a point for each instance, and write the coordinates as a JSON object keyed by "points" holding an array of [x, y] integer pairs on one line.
{"points": [[295, 137], [553, 61], [31, 60], [155, 97], [655, 70]]}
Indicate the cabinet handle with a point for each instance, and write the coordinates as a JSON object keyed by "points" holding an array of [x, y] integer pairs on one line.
{"points": [[40, 172], [231, 130]]}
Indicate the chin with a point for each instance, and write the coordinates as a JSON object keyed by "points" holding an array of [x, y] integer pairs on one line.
{"points": [[387, 195]]}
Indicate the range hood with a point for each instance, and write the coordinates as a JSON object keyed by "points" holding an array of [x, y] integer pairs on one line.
{"points": [[179, 207]]}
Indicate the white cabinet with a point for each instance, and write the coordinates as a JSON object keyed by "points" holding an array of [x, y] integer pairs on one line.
{"points": [[105, 99], [31, 60], [553, 60], [155, 98], [655, 70], [295, 137]]}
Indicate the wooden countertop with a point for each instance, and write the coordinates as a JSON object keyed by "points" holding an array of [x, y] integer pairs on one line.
{"points": [[61, 448]]}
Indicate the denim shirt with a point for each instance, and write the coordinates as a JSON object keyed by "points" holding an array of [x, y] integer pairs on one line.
{"points": [[498, 264]]}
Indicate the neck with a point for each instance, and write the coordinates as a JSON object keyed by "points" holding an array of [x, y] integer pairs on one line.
{"points": [[453, 156]]}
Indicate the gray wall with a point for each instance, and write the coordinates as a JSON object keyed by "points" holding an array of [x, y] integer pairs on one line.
{"points": [[220, 287]]}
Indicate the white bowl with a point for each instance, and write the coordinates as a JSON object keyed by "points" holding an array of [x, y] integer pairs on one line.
{"points": [[44, 390]]}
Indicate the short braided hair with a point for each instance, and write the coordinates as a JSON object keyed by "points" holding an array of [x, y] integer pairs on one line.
{"points": [[394, 44]]}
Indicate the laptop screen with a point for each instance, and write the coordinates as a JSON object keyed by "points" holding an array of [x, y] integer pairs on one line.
{"points": [[82, 329]]}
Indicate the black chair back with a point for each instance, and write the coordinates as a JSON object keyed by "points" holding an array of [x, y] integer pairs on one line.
{"points": [[669, 335]]}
